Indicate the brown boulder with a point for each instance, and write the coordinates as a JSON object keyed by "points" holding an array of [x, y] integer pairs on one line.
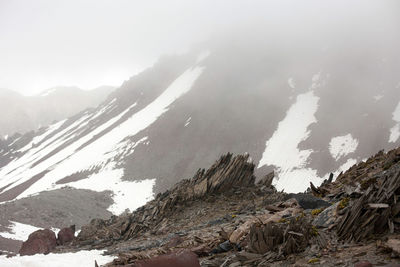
{"points": [[39, 242], [66, 235], [184, 258]]}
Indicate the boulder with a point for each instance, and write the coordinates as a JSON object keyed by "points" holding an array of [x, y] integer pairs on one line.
{"points": [[39, 242], [66, 235], [184, 258]]}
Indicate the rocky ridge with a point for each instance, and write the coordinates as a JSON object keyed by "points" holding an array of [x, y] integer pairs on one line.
{"points": [[227, 219], [222, 217]]}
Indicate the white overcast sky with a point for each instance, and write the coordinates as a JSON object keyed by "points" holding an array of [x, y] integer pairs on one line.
{"points": [[89, 43]]}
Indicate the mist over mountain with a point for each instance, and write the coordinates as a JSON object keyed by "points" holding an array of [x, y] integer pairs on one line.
{"points": [[21, 114], [302, 95]]}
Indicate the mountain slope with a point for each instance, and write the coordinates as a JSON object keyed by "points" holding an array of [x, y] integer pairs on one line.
{"points": [[302, 111], [21, 114]]}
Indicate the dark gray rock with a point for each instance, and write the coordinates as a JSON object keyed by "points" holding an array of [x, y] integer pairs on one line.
{"points": [[308, 201]]}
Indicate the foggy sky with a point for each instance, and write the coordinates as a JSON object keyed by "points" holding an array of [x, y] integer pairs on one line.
{"points": [[88, 43]]}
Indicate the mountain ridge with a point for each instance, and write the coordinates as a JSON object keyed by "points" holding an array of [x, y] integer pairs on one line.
{"points": [[22, 114]]}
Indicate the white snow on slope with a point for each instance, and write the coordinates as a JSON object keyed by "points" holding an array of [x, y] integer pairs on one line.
{"points": [[102, 151], [394, 133], [203, 55], [24, 170], [48, 92], [127, 195], [39, 138], [84, 258], [21, 231], [345, 166], [16, 140], [395, 130], [282, 148], [341, 146], [188, 121], [291, 83], [104, 109]]}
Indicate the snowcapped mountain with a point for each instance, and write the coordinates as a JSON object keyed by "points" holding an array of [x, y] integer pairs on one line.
{"points": [[21, 114], [303, 112]]}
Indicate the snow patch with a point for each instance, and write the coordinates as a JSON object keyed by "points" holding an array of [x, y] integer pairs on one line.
{"points": [[13, 142], [203, 55], [126, 195], [48, 92], [291, 83], [378, 97], [21, 231], [282, 148], [188, 121], [316, 81], [81, 258], [394, 133], [345, 166], [395, 130], [341, 146], [38, 139]]}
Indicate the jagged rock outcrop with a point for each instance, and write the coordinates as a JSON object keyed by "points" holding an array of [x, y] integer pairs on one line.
{"points": [[366, 196], [360, 176], [39, 242], [226, 175], [375, 211], [226, 219]]}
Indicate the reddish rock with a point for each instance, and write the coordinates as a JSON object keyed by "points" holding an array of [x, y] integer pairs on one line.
{"points": [[184, 258], [363, 264], [66, 235], [39, 242]]}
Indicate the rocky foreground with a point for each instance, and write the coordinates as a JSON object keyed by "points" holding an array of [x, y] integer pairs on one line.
{"points": [[223, 217]]}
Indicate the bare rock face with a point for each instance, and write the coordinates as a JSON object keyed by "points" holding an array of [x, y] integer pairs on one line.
{"points": [[66, 235], [39, 242]]}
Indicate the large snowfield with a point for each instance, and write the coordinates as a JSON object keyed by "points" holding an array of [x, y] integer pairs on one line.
{"points": [[82, 259]]}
